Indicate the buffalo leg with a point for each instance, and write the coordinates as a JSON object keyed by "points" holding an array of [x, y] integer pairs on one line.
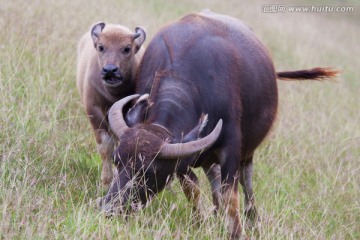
{"points": [[213, 174], [246, 172], [190, 185], [229, 161]]}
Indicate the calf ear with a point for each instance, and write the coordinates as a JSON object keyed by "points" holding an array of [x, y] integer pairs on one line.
{"points": [[96, 30], [139, 37]]}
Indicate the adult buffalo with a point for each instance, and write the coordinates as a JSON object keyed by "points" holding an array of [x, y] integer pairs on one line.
{"points": [[202, 64]]}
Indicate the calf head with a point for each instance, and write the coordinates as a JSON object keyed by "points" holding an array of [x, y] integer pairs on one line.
{"points": [[116, 47], [146, 159]]}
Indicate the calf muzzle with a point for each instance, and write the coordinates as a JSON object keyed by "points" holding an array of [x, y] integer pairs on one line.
{"points": [[111, 75]]}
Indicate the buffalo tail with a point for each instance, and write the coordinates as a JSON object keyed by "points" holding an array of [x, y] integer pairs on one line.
{"points": [[308, 74]]}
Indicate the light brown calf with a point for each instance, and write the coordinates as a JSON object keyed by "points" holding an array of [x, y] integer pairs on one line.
{"points": [[107, 60]]}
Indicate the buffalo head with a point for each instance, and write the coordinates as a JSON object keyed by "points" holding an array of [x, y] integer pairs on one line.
{"points": [[146, 159]]}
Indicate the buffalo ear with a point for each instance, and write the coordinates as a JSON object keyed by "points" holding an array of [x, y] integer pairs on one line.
{"points": [[139, 37], [194, 134], [137, 113], [96, 30]]}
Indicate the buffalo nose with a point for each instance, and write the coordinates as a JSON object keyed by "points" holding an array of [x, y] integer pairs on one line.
{"points": [[110, 68]]}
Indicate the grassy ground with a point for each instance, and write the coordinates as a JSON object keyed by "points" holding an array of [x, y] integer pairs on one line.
{"points": [[307, 172]]}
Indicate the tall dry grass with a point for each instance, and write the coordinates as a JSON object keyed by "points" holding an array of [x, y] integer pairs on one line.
{"points": [[306, 172]]}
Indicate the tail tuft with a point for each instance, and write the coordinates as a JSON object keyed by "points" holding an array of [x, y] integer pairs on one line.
{"points": [[308, 74]]}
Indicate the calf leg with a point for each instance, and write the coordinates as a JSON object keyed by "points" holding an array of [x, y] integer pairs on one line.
{"points": [[105, 142], [105, 146], [246, 172]]}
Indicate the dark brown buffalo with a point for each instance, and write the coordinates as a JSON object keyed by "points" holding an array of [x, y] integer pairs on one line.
{"points": [[202, 64]]}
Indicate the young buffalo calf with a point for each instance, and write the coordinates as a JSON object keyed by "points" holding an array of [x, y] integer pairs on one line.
{"points": [[108, 58]]}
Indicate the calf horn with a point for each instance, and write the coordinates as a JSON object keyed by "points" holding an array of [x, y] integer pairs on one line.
{"points": [[178, 150], [116, 118]]}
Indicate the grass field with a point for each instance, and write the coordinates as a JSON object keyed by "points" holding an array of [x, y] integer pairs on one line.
{"points": [[307, 172]]}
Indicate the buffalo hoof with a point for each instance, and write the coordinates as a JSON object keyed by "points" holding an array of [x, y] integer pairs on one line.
{"points": [[251, 217], [109, 208]]}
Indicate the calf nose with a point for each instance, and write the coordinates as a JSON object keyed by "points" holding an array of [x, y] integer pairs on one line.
{"points": [[109, 69]]}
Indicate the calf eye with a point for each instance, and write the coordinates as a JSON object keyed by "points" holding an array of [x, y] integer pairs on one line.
{"points": [[100, 48], [127, 49]]}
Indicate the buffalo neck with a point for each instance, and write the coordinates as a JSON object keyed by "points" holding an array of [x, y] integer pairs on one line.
{"points": [[174, 105]]}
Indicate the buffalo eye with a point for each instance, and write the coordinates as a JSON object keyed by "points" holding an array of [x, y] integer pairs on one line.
{"points": [[101, 48], [127, 50]]}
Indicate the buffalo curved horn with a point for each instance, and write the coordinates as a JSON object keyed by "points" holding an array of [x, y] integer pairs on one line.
{"points": [[177, 150], [116, 118]]}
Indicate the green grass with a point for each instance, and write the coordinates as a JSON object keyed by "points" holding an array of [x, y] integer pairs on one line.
{"points": [[307, 172]]}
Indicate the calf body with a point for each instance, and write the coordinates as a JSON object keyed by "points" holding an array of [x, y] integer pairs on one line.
{"points": [[203, 63], [107, 60]]}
